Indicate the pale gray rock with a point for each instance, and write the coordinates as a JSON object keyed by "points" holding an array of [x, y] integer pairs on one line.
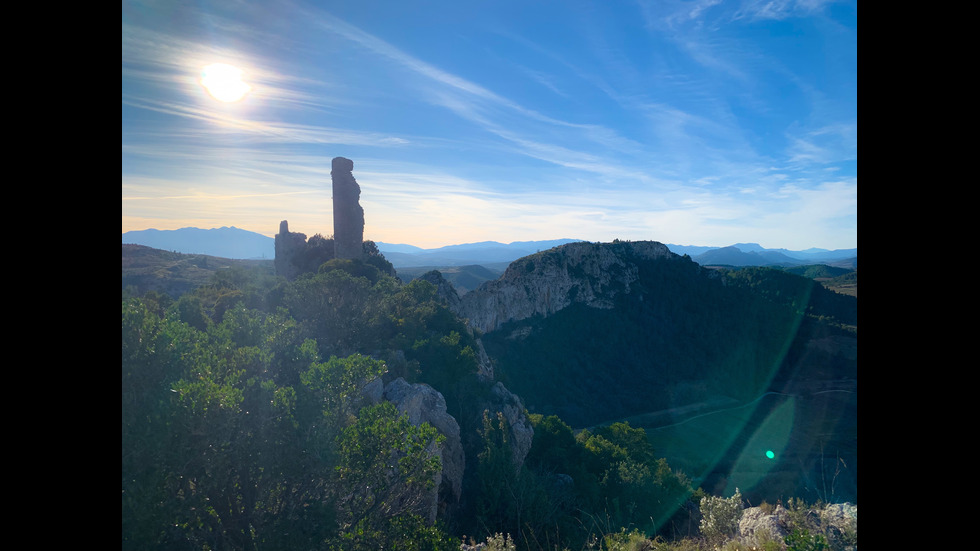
{"points": [[837, 522], [484, 366], [424, 404], [840, 524], [546, 282], [756, 526], [374, 391]]}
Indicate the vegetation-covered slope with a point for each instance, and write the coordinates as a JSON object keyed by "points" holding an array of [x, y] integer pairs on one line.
{"points": [[687, 341], [682, 334], [148, 269], [463, 278], [244, 425]]}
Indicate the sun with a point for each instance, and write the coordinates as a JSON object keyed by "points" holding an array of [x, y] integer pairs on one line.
{"points": [[224, 82]]}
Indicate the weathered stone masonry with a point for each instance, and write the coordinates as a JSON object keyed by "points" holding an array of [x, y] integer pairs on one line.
{"points": [[348, 216], [294, 254]]}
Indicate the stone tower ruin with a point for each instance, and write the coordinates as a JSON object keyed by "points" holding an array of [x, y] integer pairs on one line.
{"points": [[295, 255], [289, 247], [348, 216]]}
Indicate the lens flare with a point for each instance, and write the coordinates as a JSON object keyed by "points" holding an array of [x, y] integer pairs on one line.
{"points": [[769, 438]]}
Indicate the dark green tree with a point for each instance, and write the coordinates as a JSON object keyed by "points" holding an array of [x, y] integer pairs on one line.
{"points": [[386, 469]]}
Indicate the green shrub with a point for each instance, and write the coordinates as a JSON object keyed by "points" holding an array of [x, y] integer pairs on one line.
{"points": [[803, 540], [720, 516], [627, 541], [500, 542], [660, 544]]}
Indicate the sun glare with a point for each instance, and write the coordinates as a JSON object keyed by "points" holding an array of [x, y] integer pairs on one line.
{"points": [[224, 82]]}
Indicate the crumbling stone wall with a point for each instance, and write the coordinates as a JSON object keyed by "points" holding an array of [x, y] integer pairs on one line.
{"points": [[348, 216], [296, 255], [289, 247]]}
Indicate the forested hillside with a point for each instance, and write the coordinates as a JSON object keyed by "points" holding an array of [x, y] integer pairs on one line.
{"points": [[148, 269], [687, 340], [676, 330], [246, 425], [463, 278], [249, 423]]}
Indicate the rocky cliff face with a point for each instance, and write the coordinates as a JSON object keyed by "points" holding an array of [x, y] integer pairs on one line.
{"points": [[447, 293], [546, 282]]}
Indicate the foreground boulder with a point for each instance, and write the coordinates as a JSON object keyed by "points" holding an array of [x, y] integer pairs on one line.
{"points": [[756, 525]]}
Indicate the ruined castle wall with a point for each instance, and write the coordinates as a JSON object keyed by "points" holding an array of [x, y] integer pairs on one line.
{"points": [[289, 247]]}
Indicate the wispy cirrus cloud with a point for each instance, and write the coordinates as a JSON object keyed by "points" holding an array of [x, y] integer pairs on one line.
{"points": [[264, 130], [779, 9], [672, 120], [475, 102]]}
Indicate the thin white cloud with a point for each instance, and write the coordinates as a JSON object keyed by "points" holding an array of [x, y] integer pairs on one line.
{"points": [[669, 156], [269, 131], [779, 9], [828, 144], [464, 97]]}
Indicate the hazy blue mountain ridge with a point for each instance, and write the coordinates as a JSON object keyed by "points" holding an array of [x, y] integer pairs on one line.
{"points": [[224, 242], [236, 243], [486, 252]]}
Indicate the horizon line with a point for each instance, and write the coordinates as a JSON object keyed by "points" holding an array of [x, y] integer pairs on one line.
{"points": [[516, 241]]}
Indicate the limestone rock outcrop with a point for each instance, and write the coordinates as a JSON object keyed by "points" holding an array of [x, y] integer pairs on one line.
{"points": [[444, 289], [521, 430], [348, 216], [484, 366], [546, 282], [295, 254], [424, 404], [837, 522], [840, 524], [756, 525], [447, 293]]}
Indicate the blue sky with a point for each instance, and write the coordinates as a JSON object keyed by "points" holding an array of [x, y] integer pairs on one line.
{"points": [[693, 122]]}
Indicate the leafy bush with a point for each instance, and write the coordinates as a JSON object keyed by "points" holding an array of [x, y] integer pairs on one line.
{"points": [[720, 516], [802, 540], [496, 542], [627, 541], [500, 542]]}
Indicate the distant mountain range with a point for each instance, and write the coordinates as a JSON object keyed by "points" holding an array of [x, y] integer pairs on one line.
{"points": [[223, 242], [752, 254], [486, 253], [235, 243]]}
